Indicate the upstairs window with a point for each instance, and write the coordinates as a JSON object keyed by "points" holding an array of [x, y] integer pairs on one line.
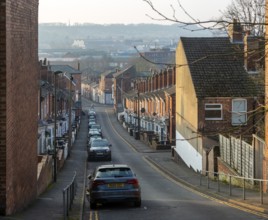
{"points": [[239, 112], [213, 111]]}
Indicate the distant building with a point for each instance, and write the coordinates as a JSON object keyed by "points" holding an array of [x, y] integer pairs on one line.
{"points": [[79, 44], [160, 56], [105, 87]]}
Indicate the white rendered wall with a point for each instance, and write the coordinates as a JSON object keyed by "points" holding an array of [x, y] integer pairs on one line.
{"points": [[188, 153]]}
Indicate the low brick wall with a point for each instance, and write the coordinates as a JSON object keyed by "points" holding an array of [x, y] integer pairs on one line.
{"points": [[45, 175], [224, 168]]}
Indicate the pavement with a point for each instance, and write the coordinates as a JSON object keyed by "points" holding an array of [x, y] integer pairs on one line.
{"points": [[176, 170], [50, 204]]}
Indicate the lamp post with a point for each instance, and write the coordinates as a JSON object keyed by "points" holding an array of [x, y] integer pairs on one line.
{"points": [[55, 127], [139, 120], [70, 114]]}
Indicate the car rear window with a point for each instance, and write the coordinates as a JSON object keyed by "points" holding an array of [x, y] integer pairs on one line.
{"points": [[96, 126], [114, 172], [99, 143]]}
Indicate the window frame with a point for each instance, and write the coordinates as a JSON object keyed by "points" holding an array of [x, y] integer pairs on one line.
{"points": [[213, 109], [239, 112]]}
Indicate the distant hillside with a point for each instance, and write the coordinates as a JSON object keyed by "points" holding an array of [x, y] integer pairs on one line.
{"points": [[61, 34]]}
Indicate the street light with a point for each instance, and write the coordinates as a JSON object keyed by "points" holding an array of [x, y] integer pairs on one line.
{"points": [[55, 126], [139, 119], [70, 77], [138, 113]]}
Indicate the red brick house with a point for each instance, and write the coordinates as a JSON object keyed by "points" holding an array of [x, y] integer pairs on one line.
{"points": [[121, 85], [105, 87], [214, 95], [18, 106], [152, 105]]}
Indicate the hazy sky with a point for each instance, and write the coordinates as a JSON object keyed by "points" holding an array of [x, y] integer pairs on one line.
{"points": [[124, 11]]}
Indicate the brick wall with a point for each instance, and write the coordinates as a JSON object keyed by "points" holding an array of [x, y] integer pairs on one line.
{"points": [[18, 103], [223, 168], [265, 168], [225, 125], [2, 108], [45, 175]]}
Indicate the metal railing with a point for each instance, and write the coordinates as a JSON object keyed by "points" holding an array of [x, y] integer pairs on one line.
{"points": [[68, 196], [232, 180]]}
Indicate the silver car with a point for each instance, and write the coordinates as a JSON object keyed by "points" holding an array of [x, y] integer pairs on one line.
{"points": [[113, 183]]}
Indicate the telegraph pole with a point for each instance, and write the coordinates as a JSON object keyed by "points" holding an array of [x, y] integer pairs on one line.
{"points": [[139, 120]]}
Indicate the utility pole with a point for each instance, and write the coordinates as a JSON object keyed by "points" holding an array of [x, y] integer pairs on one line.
{"points": [[55, 128], [70, 115], [139, 120]]}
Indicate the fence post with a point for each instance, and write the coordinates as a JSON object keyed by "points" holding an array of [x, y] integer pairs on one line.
{"points": [[64, 205], [244, 188], [230, 185], [261, 192], [68, 197], [218, 182], [208, 180], [68, 189], [72, 192]]}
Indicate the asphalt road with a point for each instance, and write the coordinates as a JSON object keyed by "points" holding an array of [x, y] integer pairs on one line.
{"points": [[162, 198]]}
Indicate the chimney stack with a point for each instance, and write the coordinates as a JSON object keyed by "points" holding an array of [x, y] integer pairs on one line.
{"points": [[235, 32], [252, 53]]}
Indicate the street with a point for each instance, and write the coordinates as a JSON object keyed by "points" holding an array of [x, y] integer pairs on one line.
{"points": [[162, 198]]}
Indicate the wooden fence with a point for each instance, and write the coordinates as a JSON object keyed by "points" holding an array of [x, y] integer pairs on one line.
{"points": [[246, 159]]}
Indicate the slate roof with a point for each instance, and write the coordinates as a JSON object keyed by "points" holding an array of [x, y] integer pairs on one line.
{"points": [[109, 73], [171, 90], [217, 67], [130, 69], [65, 68]]}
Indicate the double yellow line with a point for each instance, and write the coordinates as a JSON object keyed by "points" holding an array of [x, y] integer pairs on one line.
{"points": [[93, 215], [231, 203]]}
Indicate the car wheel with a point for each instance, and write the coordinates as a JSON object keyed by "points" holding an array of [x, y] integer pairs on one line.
{"points": [[93, 205], [137, 203]]}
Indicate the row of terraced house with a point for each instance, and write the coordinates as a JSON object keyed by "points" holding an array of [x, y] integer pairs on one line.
{"points": [[59, 111], [208, 107], [215, 97]]}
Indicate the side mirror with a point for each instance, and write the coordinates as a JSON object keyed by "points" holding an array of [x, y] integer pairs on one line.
{"points": [[89, 176], [110, 145]]}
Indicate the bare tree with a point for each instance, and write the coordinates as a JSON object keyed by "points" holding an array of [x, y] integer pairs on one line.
{"points": [[251, 13]]}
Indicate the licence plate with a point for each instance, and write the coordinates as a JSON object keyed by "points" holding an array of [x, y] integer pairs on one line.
{"points": [[115, 185], [99, 154]]}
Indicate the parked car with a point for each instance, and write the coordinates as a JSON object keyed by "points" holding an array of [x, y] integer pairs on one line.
{"points": [[92, 117], [91, 113], [97, 126], [100, 149], [91, 123], [93, 132], [92, 138], [113, 183]]}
